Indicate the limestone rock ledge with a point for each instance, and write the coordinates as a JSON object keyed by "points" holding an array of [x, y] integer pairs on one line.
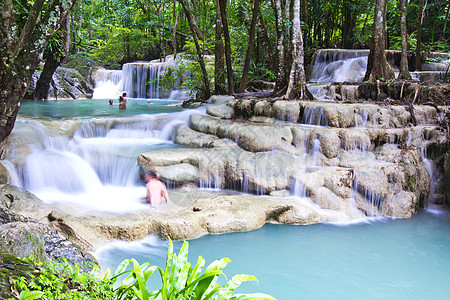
{"points": [[177, 220]]}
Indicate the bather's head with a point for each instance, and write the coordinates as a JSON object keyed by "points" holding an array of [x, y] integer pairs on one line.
{"points": [[150, 175]]}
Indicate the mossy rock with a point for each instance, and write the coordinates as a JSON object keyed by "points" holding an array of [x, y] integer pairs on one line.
{"points": [[85, 66], [12, 267]]}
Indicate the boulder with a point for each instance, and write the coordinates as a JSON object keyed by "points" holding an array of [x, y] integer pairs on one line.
{"points": [[86, 67], [223, 111], [66, 84]]}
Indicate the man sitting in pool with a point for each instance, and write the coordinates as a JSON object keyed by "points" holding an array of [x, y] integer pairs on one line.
{"points": [[156, 190]]}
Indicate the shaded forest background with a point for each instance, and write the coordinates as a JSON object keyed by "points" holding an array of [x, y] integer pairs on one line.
{"points": [[115, 32]]}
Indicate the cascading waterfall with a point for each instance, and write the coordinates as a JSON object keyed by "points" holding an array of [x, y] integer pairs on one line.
{"points": [[374, 202], [137, 79], [339, 66], [108, 84], [14, 177], [361, 119], [432, 174], [97, 168], [314, 116]]}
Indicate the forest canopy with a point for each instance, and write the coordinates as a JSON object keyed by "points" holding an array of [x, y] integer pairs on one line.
{"points": [[115, 32]]}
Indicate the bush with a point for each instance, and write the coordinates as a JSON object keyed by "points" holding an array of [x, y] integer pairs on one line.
{"points": [[179, 281], [62, 281]]}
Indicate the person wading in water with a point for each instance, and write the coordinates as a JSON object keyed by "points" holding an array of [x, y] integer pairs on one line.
{"points": [[156, 190], [123, 101]]}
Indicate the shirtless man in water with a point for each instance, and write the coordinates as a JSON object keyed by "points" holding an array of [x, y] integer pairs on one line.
{"points": [[156, 190]]}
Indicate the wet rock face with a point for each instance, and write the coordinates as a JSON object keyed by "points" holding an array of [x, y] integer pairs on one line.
{"points": [[66, 84], [86, 67], [368, 156]]}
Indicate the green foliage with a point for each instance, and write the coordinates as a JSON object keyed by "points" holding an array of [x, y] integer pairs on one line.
{"points": [[245, 111], [179, 280], [30, 295], [62, 281], [411, 182]]}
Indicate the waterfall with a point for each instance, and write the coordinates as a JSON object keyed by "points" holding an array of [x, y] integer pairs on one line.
{"points": [[14, 178], [434, 179], [60, 170], [97, 167], [361, 119], [372, 203], [298, 189], [137, 79], [314, 116], [339, 66], [108, 84]]}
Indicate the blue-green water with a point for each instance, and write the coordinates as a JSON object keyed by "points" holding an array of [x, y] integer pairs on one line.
{"points": [[382, 259], [64, 109]]}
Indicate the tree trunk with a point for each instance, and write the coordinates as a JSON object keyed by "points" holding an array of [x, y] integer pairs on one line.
{"points": [[349, 23], [266, 45], [377, 65], [251, 44], [174, 32], [54, 58], [195, 31], [21, 54], [219, 60], [280, 10], [223, 15], [191, 19], [419, 35], [297, 88], [404, 70]]}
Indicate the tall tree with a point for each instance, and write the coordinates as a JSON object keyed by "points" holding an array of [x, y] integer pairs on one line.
{"points": [[281, 10], [377, 65], [21, 48], [297, 88], [349, 23], [419, 35], [265, 42], [174, 31], [226, 34], [55, 55], [219, 60], [196, 35], [251, 43], [404, 70]]}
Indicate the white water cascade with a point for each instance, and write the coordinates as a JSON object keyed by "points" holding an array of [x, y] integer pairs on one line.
{"points": [[97, 168], [137, 79], [339, 66]]}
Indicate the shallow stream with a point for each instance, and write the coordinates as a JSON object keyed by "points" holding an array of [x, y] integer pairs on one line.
{"points": [[381, 258]]}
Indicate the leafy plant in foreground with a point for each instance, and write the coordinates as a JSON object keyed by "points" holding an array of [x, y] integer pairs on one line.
{"points": [[180, 280], [61, 281]]}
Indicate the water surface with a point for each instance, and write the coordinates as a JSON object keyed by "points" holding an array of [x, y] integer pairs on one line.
{"points": [[65, 109], [380, 259]]}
